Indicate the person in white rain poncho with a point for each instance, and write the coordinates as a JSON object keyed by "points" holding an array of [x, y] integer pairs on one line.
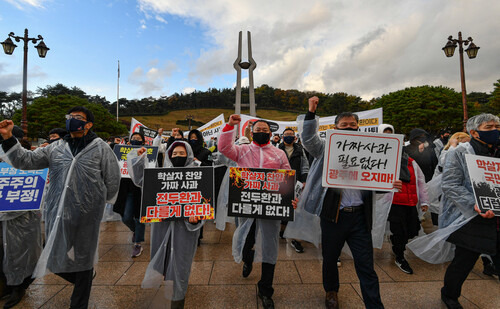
{"points": [[84, 175], [21, 238], [173, 243]]}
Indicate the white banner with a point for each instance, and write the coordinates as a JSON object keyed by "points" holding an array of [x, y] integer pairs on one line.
{"points": [[368, 122], [134, 126], [364, 161], [212, 128]]}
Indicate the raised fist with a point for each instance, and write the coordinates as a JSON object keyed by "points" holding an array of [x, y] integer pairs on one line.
{"points": [[140, 151], [234, 120], [6, 127], [313, 104]]}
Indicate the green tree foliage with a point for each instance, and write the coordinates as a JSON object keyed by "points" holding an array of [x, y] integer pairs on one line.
{"points": [[46, 113], [494, 102], [427, 107]]}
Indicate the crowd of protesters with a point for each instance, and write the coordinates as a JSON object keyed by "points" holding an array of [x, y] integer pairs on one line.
{"points": [[85, 176]]}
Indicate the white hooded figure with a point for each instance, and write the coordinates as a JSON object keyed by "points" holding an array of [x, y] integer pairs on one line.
{"points": [[173, 243]]}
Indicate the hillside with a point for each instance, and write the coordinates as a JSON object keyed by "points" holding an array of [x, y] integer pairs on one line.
{"points": [[204, 115]]}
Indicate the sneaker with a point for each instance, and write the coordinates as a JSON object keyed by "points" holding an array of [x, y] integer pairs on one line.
{"points": [[137, 251], [403, 265], [297, 246], [267, 302], [339, 263], [489, 269], [247, 269]]}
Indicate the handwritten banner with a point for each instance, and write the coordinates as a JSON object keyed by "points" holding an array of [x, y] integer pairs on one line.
{"points": [[121, 152], [484, 173], [358, 160], [21, 190], [261, 193], [177, 194]]}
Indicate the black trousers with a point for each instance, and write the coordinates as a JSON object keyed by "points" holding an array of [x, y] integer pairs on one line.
{"points": [[461, 266], [404, 225], [350, 228], [266, 278], [83, 284]]}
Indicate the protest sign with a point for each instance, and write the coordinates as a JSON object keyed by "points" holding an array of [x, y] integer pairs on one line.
{"points": [[261, 193], [177, 194], [368, 122], [21, 190], [365, 161], [212, 128], [135, 126], [484, 173], [121, 152], [149, 135]]}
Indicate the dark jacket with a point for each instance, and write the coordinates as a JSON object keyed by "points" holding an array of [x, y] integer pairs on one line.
{"points": [[126, 186], [331, 206], [298, 161], [201, 153]]}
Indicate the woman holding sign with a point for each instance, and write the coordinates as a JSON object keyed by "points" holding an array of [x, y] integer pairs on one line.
{"points": [[173, 243]]}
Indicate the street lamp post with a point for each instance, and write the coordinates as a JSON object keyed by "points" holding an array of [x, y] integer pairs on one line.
{"points": [[471, 51], [8, 48]]}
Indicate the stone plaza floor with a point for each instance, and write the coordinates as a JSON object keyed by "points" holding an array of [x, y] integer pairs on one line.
{"points": [[216, 280]]}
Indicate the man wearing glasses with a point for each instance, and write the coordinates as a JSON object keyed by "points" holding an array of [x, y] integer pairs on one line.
{"points": [[84, 175]]}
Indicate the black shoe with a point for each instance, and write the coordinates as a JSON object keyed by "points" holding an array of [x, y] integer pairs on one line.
{"points": [[449, 302], [177, 304], [403, 265], [247, 269], [15, 297], [267, 302], [297, 246]]}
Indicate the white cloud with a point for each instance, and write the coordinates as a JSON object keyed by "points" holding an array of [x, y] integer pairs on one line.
{"points": [[188, 90], [366, 48], [14, 82], [22, 4], [153, 82]]}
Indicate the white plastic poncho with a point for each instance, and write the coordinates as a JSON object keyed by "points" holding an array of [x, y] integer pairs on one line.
{"points": [[267, 231], [173, 243], [458, 201], [22, 244], [79, 189], [221, 217]]}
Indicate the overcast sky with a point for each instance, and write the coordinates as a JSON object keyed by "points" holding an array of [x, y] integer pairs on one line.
{"points": [[365, 48]]}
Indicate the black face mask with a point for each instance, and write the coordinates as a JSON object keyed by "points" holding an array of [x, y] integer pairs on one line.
{"points": [[261, 138], [349, 129], [136, 143], [178, 161]]}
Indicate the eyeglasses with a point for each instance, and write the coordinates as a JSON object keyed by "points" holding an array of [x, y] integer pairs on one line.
{"points": [[78, 117]]}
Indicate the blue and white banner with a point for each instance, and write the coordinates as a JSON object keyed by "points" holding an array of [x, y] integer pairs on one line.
{"points": [[21, 190]]}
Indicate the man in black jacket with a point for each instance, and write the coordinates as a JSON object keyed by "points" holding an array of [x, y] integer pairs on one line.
{"points": [[298, 162]]}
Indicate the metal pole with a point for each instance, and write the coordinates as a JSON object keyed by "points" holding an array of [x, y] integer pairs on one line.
{"points": [[462, 79], [118, 92], [24, 120]]}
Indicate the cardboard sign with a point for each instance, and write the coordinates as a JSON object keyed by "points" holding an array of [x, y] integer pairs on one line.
{"points": [[121, 152], [21, 190], [261, 193], [177, 194], [364, 161], [149, 135], [484, 173]]}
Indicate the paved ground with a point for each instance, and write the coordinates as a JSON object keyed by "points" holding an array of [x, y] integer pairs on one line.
{"points": [[216, 280]]}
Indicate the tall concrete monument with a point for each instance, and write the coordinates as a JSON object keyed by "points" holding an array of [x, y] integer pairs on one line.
{"points": [[250, 65]]}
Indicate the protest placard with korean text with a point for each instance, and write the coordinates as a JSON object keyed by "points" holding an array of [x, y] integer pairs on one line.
{"points": [[364, 161], [149, 134], [177, 194], [261, 193], [121, 152], [21, 190], [484, 173]]}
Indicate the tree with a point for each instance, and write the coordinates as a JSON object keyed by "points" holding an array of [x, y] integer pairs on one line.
{"points": [[60, 89], [46, 113], [427, 107], [494, 102]]}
